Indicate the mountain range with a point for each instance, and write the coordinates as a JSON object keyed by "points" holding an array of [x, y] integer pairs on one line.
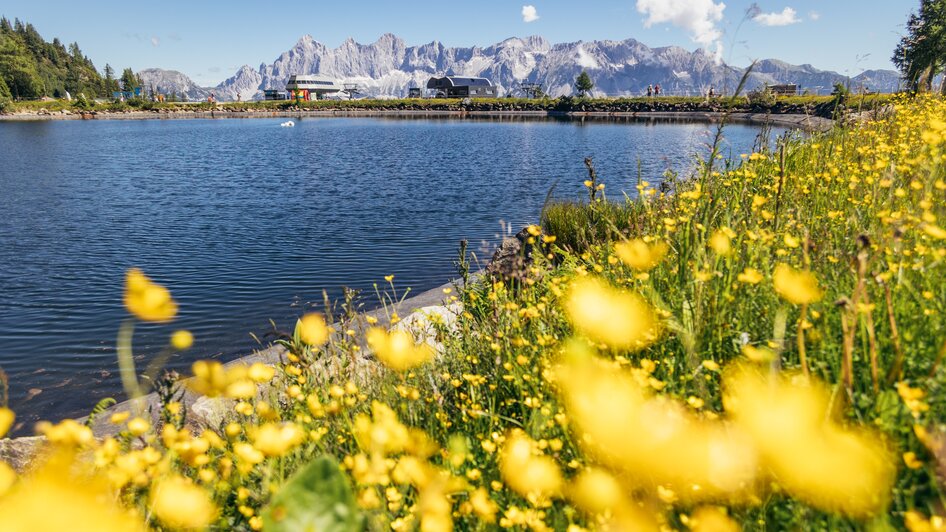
{"points": [[388, 67]]}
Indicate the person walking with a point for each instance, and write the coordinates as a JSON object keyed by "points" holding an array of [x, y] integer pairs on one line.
{"points": [[657, 91], [650, 91]]}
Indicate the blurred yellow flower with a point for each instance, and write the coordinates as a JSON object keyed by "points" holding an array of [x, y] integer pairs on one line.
{"points": [[261, 373], [712, 519], [212, 379], [796, 286], [758, 354], [596, 491], [639, 254], [180, 504], [750, 276], [6, 420], [312, 329], [68, 433], [274, 439], [55, 498], [935, 231], [182, 340], [721, 243], [605, 314], [397, 349], [147, 300], [7, 478], [911, 461], [831, 467], [526, 470], [652, 439], [138, 426]]}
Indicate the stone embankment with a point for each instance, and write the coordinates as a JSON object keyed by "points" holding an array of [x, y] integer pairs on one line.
{"points": [[809, 116]]}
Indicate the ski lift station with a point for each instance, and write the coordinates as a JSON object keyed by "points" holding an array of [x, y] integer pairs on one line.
{"points": [[459, 87], [311, 87]]}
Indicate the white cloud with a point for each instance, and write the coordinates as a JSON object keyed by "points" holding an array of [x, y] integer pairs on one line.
{"points": [[787, 17], [698, 17], [814, 16], [529, 14], [155, 41]]}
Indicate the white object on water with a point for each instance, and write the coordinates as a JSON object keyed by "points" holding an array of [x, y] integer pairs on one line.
{"points": [[290, 123]]}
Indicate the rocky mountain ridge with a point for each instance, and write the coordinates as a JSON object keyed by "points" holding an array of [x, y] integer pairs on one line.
{"points": [[388, 67]]}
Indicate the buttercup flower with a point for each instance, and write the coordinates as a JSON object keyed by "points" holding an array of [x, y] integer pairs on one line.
{"points": [[796, 286], [147, 300]]}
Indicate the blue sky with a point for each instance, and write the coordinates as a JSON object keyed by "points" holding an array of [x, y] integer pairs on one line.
{"points": [[209, 41]]}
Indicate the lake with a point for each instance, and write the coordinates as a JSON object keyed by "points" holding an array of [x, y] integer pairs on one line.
{"points": [[246, 221]]}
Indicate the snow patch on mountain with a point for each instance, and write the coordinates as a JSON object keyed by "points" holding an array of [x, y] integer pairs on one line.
{"points": [[388, 67]]}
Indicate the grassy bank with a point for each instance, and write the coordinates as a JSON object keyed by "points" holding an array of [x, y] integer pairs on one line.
{"points": [[758, 346], [825, 106]]}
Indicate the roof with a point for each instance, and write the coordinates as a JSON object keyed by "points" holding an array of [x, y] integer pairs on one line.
{"points": [[458, 81], [312, 82]]}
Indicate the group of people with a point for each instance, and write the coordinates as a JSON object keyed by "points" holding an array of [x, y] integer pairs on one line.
{"points": [[654, 91]]}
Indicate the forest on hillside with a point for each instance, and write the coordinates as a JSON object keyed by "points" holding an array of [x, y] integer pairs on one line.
{"points": [[31, 67]]}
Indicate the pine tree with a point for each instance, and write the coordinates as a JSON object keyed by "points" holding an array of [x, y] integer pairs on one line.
{"points": [[129, 80], [921, 54], [583, 84]]}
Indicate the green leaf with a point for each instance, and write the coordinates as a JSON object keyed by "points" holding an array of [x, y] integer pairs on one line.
{"points": [[317, 499]]}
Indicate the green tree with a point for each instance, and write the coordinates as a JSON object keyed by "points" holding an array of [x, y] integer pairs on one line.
{"points": [[921, 54], [583, 84], [129, 80], [4, 91], [18, 70]]}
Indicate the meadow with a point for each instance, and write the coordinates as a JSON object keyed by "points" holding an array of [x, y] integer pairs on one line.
{"points": [[759, 345]]}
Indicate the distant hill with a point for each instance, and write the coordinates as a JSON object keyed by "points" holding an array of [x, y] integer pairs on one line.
{"points": [[388, 67], [31, 67]]}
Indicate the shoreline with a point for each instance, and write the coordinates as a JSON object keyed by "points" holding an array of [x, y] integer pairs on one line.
{"points": [[800, 121]]}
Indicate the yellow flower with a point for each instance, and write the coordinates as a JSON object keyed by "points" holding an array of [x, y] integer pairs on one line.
{"points": [[649, 438], [527, 471], [119, 417], [247, 453], [7, 478], [274, 439], [758, 354], [750, 276], [261, 373], [138, 426], [397, 350], [831, 467], [911, 461], [6, 420], [597, 491], [935, 231], [68, 433], [639, 254], [721, 243], [178, 503], [147, 300], [604, 314], [483, 506], [796, 286], [711, 519], [53, 498], [182, 340], [312, 329]]}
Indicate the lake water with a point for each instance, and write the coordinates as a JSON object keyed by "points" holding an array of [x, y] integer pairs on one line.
{"points": [[246, 221]]}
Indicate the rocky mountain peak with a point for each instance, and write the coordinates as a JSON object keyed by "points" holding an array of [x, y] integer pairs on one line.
{"points": [[388, 67]]}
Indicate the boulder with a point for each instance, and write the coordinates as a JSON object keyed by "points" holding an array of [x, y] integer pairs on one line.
{"points": [[513, 257], [19, 453]]}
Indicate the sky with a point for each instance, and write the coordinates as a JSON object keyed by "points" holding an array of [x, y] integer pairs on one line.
{"points": [[209, 41]]}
